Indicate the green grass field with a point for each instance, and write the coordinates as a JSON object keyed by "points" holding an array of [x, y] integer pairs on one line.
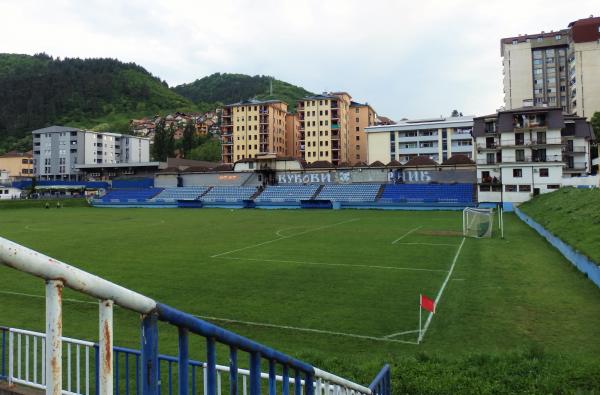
{"points": [[331, 287]]}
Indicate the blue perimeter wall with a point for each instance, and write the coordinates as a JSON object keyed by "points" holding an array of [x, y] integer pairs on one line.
{"points": [[582, 262]]}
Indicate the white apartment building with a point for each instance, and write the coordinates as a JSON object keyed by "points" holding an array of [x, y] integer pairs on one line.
{"points": [[57, 150], [436, 138], [523, 152]]}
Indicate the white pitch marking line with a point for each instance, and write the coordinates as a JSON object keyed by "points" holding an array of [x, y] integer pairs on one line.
{"points": [[251, 323], [400, 333], [278, 233], [284, 237], [429, 244], [295, 328], [335, 264], [43, 297], [406, 234], [441, 291]]}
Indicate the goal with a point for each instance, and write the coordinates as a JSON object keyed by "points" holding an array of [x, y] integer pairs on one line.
{"points": [[478, 222]]}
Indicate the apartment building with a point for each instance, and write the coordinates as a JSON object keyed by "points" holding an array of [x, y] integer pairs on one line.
{"points": [[436, 138], [557, 68], [527, 151], [324, 127], [58, 149], [292, 135], [584, 66], [360, 117], [253, 127], [17, 164]]}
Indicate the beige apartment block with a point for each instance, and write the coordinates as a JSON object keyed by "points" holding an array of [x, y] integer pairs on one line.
{"points": [[324, 127], [584, 66], [17, 164], [292, 135], [557, 68], [253, 127], [535, 69], [360, 117]]}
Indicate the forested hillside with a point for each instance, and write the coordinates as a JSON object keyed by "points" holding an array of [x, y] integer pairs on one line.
{"points": [[37, 91], [105, 94], [230, 88]]}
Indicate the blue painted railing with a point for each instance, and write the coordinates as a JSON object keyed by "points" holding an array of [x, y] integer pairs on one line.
{"points": [[3, 352], [301, 376], [126, 372]]}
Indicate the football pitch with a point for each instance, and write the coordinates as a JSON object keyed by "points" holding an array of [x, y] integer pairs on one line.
{"points": [[315, 284]]}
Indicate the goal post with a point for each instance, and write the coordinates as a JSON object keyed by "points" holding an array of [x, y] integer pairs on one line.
{"points": [[478, 222]]}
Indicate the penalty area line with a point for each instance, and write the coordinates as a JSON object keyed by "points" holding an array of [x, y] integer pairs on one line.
{"points": [[335, 264], [249, 323], [284, 237], [441, 291], [429, 244], [406, 234]]}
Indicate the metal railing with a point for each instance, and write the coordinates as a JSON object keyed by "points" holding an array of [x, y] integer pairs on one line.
{"points": [[296, 374], [24, 359]]}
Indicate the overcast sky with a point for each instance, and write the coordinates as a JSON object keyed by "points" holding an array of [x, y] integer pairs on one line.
{"points": [[406, 58]]}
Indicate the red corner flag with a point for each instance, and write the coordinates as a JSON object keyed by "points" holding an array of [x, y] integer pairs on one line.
{"points": [[427, 304]]}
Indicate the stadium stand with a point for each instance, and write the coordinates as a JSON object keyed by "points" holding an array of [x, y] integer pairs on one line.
{"points": [[229, 194], [182, 193], [133, 183], [349, 192], [287, 193], [424, 193], [130, 195]]}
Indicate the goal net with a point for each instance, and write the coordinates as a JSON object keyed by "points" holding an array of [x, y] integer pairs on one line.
{"points": [[478, 222]]}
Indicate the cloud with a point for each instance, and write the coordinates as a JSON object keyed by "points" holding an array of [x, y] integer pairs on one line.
{"points": [[407, 59]]}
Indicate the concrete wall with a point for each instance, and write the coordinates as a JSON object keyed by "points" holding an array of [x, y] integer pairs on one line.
{"points": [[587, 69], [518, 79]]}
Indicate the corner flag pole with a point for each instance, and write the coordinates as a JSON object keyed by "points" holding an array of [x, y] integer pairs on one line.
{"points": [[420, 311]]}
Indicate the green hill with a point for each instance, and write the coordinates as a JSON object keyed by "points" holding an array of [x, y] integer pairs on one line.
{"points": [[572, 215], [37, 91], [230, 88]]}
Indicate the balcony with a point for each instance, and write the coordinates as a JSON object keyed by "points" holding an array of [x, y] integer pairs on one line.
{"points": [[573, 150], [334, 105], [335, 126], [488, 147]]}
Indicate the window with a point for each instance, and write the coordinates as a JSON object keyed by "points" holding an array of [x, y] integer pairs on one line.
{"points": [[357, 128], [524, 188], [515, 42], [553, 186], [520, 155], [510, 188], [357, 138], [517, 173], [543, 172], [485, 188]]}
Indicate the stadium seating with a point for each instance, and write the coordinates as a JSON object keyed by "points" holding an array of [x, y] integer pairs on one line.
{"points": [[229, 194], [424, 193], [287, 193], [349, 192], [182, 193], [130, 195]]}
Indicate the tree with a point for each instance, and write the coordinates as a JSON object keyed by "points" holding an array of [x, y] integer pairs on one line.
{"points": [[189, 133], [160, 141], [170, 141], [456, 113], [595, 121], [209, 151]]}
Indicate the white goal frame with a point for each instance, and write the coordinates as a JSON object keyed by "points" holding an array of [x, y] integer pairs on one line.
{"points": [[475, 218]]}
